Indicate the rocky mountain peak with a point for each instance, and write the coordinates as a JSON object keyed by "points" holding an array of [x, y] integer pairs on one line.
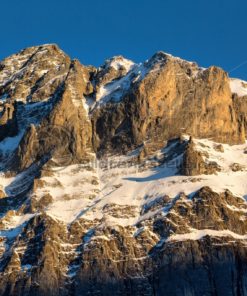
{"points": [[33, 74], [162, 58], [115, 180], [118, 63]]}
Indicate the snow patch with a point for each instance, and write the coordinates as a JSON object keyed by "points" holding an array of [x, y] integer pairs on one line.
{"points": [[120, 62], [238, 87], [116, 89], [4, 97], [9, 144], [196, 234], [15, 226]]}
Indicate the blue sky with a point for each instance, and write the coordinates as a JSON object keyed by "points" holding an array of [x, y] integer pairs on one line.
{"points": [[208, 32]]}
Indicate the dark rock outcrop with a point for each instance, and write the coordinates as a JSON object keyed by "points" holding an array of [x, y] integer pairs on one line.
{"points": [[194, 164]]}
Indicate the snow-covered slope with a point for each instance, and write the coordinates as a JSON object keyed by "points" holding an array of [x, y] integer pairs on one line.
{"points": [[126, 185], [116, 189], [119, 62], [238, 87]]}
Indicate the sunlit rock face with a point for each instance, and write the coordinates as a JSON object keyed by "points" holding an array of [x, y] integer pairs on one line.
{"points": [[127, 179]]}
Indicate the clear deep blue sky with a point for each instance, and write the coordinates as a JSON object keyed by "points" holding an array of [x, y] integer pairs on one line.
{"points": [[208, 31]]}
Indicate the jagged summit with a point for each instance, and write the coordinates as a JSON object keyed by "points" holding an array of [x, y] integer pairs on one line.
{"points": [[119, 62], [30, 74], [118, 179], [161, 55]]}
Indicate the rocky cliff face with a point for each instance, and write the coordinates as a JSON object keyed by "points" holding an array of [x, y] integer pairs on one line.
{"points": [[128, 179], [165, 97]]}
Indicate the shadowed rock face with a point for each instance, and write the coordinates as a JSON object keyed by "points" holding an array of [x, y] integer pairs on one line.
{"points": [[54, 86], [240, 105], [194, 164], [101, 192]]}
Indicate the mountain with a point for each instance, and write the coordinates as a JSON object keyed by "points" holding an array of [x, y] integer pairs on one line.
{"points": [[127, 179]]}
